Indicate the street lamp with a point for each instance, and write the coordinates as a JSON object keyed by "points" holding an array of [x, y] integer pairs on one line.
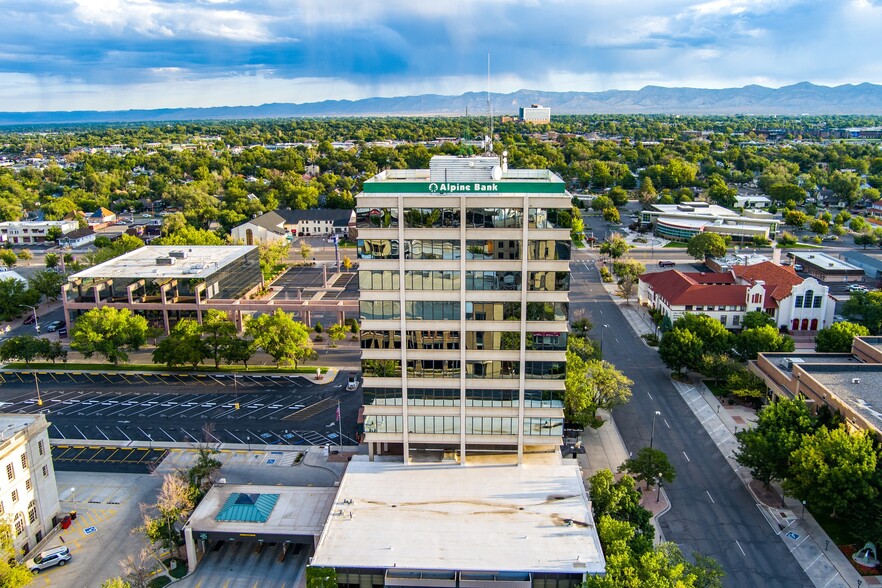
{"points": [[658, 494], [652, 434], [73, 495], [248, 439]]}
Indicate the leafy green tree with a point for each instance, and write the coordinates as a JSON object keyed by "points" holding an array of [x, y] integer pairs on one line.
{"points": [[272, 257], [305, 250], [284, 339], [237, 350], [109, 332], [183, 346], [717, 366], [820, 227], [337, 332], [751, 342], [679, 349], [615, 246], [601, 203], [51, 260], [620, 500], [53, 234], [837, 337], [865, 239], [14, 296], [864, 308], [780, 429], [592, 384], [756, 318], [188, 235], [744, 384], [583, 347], [47, 284], [317, 577], [8, 257], [619, 196], [833, 469], [628, 267], [706, 244], [786, 239], [219, 332], [12, 573], [713, 335], [611, 215], [582, 327], [25, 348], [719, 193], [115, 583], [25, 255], [649, 465], [857, 224], [795, 218]]}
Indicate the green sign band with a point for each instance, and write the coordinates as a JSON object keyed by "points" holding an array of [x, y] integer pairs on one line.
{"points": [[448, 188]]}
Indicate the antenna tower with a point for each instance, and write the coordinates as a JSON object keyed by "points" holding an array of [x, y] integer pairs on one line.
{"points": [[489, 109]]}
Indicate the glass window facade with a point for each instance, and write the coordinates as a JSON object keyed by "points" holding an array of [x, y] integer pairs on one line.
{"points": [[490, 280], [549, 250], [541, 426], [493, 311], [494, 340], [433, 425], [545, 370], [480, 249], [383, 424], [433, 397], [433, 368], [383, 397], [430, 310], [492, 398], [381, 368], [547, 311], [370, 339], [376, 218], [432, 280], [495, 369], [494, 218], [232, 281], [491, 426], [550, 218], [433, 340], [378, 248], [549, 281], [378, 280], [544, 398], [547, 341], [432, 249], [431, 218], [379, 309]]}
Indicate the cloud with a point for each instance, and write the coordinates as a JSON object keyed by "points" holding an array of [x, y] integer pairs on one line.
{"points": [[165, 53]]}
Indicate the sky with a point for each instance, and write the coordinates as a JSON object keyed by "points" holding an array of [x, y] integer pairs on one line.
{"points": [[134, 54]]}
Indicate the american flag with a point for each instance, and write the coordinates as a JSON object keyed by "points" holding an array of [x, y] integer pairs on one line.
{"points": [[338, 412]]}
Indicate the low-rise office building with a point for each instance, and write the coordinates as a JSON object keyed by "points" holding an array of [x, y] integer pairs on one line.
{"points": [[535, 113], [827, 268], [870, 263], [28, 493], [849, 384], [681, 222], [484, 525], [167, 283]]}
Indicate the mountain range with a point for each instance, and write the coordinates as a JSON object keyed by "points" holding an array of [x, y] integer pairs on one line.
{"points": [[797, 99]]}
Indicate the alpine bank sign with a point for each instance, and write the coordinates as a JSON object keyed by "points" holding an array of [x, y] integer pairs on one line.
{"points": [[451, 187]]}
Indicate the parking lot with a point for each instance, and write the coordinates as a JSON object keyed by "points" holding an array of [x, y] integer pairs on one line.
{"points": [[237, 564], [162, 408], [128, 460]]}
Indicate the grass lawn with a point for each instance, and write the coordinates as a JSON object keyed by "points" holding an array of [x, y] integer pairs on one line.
{"points": [[716, 389], [836, 528], [676, 245], [803, 246], [151, 367], [159, 582]]}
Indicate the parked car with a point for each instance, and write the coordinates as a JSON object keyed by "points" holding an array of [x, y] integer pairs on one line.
{"points": [[666, 263], [352, 384], [62, 332], [857, 288], [54, 556], [797, 267], [54, 326], [30, 318]]}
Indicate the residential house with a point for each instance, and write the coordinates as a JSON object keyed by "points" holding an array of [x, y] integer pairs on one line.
{"points": [[283, 224], [78, 238], [795, 303], [102, 216]]}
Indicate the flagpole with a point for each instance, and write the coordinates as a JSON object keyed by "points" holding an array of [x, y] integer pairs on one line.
{"points": [[340, 422]]}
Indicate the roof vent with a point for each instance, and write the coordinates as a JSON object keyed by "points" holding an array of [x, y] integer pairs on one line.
{"points": [[855, 380], [165, 261]]}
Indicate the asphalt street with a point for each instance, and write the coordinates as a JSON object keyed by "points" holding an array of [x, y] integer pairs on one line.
{"points": [[165, 408], [712, 512]]}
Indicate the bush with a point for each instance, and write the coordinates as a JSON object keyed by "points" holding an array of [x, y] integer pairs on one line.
{"points": [[651, 339], [605, 275]]}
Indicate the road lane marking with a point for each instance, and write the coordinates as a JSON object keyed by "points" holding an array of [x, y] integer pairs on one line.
{"points": [[651, 398], [711, 497], [666, 424], [741, 548], [689, 460]]}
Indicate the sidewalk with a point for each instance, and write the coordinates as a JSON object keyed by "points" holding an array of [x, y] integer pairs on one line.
{"points": [[604, 449]]}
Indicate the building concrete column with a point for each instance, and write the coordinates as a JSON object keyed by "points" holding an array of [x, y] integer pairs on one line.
{"points": [[370, 451], [192, 560]]}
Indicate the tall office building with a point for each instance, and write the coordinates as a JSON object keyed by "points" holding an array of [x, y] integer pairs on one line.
{"points": [[464, 280]]}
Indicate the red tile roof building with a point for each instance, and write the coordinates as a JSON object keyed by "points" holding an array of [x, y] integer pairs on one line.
{"points": [[796, 303]]}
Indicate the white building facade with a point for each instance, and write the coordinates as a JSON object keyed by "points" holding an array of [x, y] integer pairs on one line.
{"points": [[28, 494], [32, 232], [464, 279]]}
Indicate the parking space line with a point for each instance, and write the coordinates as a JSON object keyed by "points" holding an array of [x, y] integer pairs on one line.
{"points": [[234, 436], [167, 435], [80, 432], [102, 432], [60, 434], [123, 434], [187, 433]]}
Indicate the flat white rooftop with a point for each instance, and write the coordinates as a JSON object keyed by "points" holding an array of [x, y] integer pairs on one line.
{"points": [[532, 518], [825, 261], [299, 510], [201, 261]]}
